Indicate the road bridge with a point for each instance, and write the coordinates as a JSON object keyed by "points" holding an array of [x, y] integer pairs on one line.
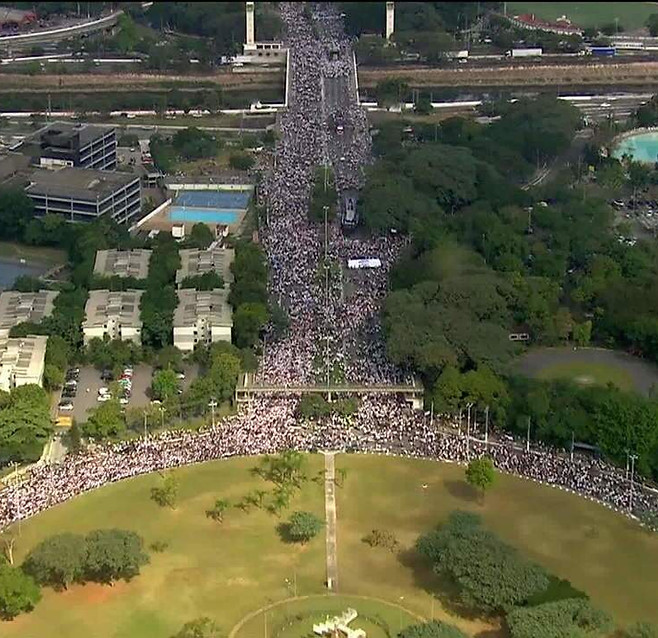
{"points": [[246, 390]]}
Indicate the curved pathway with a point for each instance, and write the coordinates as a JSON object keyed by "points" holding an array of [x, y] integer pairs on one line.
{"points": [[236, 629]]}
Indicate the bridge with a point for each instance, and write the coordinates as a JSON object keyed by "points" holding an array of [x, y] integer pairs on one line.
{"points": [[246, 390]]}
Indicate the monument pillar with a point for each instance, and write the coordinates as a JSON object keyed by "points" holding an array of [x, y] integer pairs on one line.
{"points": [[250, 39], [390, 19]]}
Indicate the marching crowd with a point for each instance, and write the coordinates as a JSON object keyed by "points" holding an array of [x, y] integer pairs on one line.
{"points": [[341, 328], [382, 425]]}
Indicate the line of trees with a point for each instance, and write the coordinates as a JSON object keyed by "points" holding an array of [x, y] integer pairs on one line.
{"points": [[102, 556]]}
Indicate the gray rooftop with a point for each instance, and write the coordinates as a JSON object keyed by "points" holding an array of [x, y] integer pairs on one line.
{"points": [[195, 261], [123, 263], [119, 306], [79, 183], [65, 132], [19, 307], [209, 306]]}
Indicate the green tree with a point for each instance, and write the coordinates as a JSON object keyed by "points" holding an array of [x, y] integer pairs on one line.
{"points": [[481, 474], [489, 575], [164, 384], [53, 377], [18, 592], [57, 561], [241, 161], [582, 333], [113, 554], [217, 511], [432, 629], [248, 321], [200, 236], [169, 357], [16, 210], [166, 493], [105, 422], [574, 617], [391, 91], [303, 526], [199, 628], [652, 24]]}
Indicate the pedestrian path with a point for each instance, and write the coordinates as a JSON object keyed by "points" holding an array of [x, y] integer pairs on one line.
{"points": [[330, 513]]}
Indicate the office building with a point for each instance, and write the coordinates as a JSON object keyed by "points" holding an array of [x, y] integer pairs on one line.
{"points": [[115, 314], [202, 317], [21, 307], [22, 361], [122, 263], [196, 262], [74, 145], [84, 195]]}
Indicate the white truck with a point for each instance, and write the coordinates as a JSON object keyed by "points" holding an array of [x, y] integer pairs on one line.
{"points": [[525, 53]]}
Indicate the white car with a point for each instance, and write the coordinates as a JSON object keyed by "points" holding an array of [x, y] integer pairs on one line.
{"points": [[123, 401], [65, 407], [180, 376], [101, 398]]}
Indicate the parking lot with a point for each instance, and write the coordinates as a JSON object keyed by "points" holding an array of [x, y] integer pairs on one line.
{"points": [[90, 382]]}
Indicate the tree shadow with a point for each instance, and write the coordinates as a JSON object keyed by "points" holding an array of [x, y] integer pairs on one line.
{"points": [[442, 587], [491, 633], [462, 490], [283, 530]]}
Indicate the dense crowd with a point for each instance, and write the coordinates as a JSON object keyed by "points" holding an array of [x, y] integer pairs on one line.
{"points": [[333, 327], [382, 425], [332, 335]]}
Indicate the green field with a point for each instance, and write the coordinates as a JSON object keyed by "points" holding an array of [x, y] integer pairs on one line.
{"points": [[585, 374], [33, 255], [632, 15], [600, 552], [227, 571]]}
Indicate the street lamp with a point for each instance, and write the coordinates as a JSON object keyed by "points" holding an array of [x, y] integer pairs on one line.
{"points": [[212, 405], [527, 445], [468, 430], [633, 458]]}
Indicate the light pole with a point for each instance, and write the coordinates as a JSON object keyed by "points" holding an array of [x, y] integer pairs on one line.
{"points": [[212, 405], [628, 452], [630, 495], [486, 427], [468, 430], [573, 443], [460, 421], [527, 446]]}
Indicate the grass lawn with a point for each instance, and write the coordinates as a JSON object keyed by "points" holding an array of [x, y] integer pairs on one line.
{"points": [[632, 15], [296, 618], [585, 373], [600, 552], [41, 255], [209, 569]]}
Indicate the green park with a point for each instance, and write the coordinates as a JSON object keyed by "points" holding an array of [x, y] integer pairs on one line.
{"points": [[229, 569]]}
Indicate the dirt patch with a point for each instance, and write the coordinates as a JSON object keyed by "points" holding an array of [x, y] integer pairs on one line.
{"points": [[93, 593], [632, 73]]}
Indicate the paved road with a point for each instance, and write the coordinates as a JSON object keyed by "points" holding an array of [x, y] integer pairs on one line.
{"points": [[330, 513]]}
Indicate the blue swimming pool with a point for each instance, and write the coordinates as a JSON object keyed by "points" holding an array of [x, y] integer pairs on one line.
{"points": [[203, 215], [223, 200], [642, 147]]}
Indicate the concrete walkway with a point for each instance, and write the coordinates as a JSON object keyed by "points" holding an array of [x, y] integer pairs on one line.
{"points": [[330, 513]]}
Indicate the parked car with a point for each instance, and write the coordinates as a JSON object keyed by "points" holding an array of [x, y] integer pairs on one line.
{"points": [[102, 398], [180, 376], [106, 375], [65, 406]]}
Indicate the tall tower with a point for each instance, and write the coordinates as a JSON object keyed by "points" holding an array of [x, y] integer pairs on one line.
{"points": [[390, 19], [250, 23]]}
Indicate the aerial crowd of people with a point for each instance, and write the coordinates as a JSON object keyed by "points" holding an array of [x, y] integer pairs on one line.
{"points": [[381, 425], [332, 326]]}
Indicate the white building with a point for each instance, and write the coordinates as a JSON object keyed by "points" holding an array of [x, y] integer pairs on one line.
{"points": [[195, 262], [123, 263], [20, 307], [202, 317], [115, 314], [22, 361]]}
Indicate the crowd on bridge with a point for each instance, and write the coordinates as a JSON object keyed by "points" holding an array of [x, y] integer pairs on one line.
{"points": [[382, 425]]}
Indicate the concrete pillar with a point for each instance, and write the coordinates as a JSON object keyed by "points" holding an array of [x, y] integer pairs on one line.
{"points": [[250, 39], [390, 19]]}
